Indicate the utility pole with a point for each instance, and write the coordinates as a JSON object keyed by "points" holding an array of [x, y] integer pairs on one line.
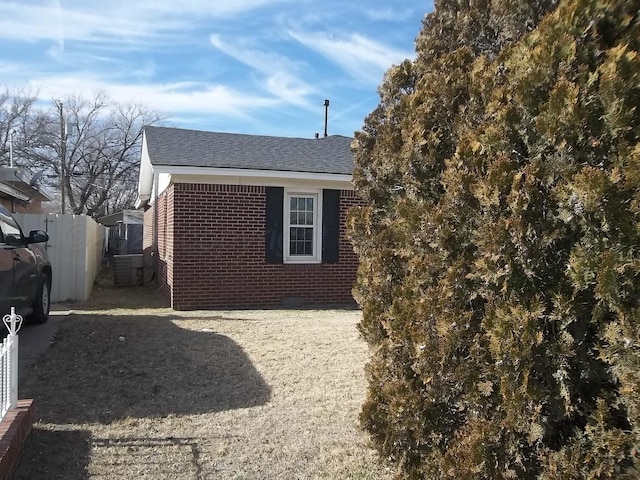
{"points": [[11, 147], [63, 151]]}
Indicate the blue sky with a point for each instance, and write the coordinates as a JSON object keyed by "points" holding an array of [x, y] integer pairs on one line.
{"points": [[246, 66]]}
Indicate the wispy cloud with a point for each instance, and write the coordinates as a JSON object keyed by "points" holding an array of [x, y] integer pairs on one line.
{"points": [[267, 66], [126, 21], [388, 14], [208, 8], [54, 23], [8, 68], [167, 97], [289, 89], [364, 59], [59, 26], [279, 70], [260, 60]]}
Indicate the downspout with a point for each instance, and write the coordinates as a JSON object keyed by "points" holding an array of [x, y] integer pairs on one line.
{"points": [[154, 240]]}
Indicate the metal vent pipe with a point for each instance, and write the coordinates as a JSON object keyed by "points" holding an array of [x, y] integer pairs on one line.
{"points": [[326, 116]]}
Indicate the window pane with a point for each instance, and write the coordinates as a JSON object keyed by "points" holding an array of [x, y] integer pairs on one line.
{"points": [[310, 204], [309, 218], [308, 234], [301, 241], [308, 248], [293, 203]]}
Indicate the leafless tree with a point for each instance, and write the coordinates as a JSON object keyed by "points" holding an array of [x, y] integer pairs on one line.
{"points": [[101, 149], [87, 150], [23, 126]]}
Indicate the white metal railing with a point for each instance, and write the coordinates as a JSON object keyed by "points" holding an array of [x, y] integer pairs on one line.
{"points": [[9, 364]]}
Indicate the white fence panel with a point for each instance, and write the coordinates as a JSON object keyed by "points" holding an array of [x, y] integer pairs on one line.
{"points": [[75, 249], [9, 364], [8, 358]]}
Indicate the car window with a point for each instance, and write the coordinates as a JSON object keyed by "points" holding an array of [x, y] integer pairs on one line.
{"points": [[9, 228]]}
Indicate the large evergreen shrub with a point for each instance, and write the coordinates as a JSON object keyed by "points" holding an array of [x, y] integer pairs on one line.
{"points": [[500, 248]]}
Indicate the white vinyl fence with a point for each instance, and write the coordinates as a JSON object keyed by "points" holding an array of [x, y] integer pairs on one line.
{"points": [[9, 364], [75, 249]]}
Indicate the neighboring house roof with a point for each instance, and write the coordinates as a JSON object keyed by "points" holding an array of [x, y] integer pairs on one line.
{"points": [[17, 184], [192, 148], [128, 217]]}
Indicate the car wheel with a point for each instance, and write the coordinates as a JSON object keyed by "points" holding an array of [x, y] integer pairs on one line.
{"points": [[42, 302]]}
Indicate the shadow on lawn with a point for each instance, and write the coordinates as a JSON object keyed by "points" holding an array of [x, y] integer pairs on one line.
{"points": [[55, 455], [105, 295], [104, 368]]}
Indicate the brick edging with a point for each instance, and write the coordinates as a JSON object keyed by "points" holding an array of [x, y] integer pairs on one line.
{"points": [[14, 431]]}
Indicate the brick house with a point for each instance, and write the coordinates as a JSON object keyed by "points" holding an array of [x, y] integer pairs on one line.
{"points": [[236, 220]]}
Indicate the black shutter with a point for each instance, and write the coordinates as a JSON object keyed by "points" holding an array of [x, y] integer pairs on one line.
{"points": [[275, 197], [330, 225]]}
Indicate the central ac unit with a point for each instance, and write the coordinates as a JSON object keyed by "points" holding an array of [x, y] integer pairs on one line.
{"points": [[128, 270]]}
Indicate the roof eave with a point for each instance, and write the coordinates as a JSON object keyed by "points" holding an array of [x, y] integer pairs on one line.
{"points": [[145, 178], [245, 172], [11, 192], [142, 201]]}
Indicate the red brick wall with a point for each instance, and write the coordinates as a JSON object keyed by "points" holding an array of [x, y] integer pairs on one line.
{"points": [[211, 253], [34, 206], [164, 262]]}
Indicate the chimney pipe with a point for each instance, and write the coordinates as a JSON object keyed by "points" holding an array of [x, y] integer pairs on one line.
{"points": [[326, 116]]}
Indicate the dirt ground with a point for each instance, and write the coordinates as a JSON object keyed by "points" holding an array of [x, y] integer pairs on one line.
{"points": [[131, 389]]}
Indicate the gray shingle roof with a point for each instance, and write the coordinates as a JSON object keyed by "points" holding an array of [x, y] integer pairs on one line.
{"points": [[192, 148]]}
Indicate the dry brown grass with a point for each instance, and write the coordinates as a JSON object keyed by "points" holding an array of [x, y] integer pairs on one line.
{"points": [[132, 390]]}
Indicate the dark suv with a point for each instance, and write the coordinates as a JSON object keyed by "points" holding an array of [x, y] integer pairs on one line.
{"points": [[25, 271]]}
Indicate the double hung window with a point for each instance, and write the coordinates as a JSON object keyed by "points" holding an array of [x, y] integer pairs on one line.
{"points": [[302, 225], [301, 239]]}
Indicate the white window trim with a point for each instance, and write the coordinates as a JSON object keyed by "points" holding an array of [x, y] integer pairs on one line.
{"points": [[317, 240]]}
